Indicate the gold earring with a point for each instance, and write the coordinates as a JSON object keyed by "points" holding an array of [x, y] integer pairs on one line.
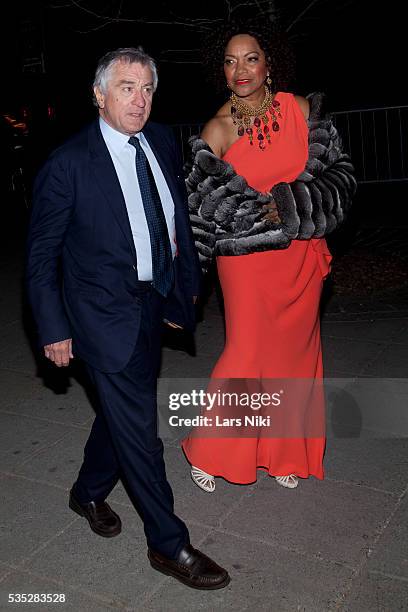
{"points": [[268, 81]]}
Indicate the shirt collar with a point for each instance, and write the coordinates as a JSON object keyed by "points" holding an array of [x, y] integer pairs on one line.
{"points": [[116, 140]]}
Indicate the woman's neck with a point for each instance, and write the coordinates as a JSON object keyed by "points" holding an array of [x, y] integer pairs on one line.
{"points": [[255, 99]]}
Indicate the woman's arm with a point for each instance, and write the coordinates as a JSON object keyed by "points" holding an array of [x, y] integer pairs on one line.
{"points": [[226, 213], [317, 201], [203, 231], [212, 134], [304, 106], [214, 138]]}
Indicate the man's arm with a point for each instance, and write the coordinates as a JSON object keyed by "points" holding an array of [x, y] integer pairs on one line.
{"points": [[51, 214], [193, 261]]}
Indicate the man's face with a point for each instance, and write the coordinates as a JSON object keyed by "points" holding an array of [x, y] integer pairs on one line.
{"points": [[127, 103]]}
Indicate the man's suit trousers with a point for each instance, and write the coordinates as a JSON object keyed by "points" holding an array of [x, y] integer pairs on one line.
{"points": [[123, 442]]}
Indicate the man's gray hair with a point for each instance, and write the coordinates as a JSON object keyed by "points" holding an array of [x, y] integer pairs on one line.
{"points": [[131, 55]]}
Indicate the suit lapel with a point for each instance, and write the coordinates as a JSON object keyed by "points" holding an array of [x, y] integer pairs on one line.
{"points": [[107, 179]]}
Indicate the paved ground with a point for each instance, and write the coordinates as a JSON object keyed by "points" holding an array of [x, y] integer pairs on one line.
{"points": [[340, 544]]}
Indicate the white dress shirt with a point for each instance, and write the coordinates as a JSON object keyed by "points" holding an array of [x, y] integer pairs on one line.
{"points": [[123, 156]]}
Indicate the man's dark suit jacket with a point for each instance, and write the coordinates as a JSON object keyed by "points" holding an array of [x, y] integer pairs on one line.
{"points": [[81, 264]]}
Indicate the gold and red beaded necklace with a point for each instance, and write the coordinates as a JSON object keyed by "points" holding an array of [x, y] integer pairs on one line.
{"points": [[242, 114]]}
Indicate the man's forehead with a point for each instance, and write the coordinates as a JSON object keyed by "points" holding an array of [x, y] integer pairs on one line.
{"points": [[133, 71]]}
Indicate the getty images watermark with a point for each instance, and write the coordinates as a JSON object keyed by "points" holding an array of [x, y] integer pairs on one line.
{"points": [[241, 407], [283, 407], [219, 400]]}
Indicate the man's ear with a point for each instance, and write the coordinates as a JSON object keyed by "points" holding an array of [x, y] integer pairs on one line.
{"points": [[100, 98]]}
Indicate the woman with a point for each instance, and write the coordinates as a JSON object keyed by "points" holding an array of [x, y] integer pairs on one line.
{"points": [[269, 180]]}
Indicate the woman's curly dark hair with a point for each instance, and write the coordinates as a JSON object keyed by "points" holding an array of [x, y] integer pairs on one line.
{"points": [[279, 53]]}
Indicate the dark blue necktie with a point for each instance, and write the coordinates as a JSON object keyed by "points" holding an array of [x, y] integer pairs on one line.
{"points": [[162, 259]]}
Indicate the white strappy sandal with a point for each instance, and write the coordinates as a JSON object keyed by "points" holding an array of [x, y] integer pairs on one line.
{"points": [[290, 482], [205, 481]]}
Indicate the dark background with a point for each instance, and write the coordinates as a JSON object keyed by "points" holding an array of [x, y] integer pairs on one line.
{"points": [[348, 49], [351, 50]]}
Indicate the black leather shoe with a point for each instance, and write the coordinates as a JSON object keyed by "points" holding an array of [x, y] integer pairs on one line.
{"points": [[100, 516], [192, 568]]}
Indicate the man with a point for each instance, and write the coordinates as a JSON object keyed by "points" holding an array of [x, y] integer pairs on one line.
{"points": [[110, 255]]}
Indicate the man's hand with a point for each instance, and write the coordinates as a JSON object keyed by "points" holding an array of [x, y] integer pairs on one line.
{"points": [[176, 325], [272, 213], [59, 352]]}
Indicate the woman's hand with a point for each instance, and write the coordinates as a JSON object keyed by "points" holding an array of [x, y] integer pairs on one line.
{"points": [[271, 212]]}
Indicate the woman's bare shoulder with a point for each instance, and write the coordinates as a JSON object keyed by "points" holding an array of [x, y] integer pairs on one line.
{"points": [[217, 131], [304, 105]]}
